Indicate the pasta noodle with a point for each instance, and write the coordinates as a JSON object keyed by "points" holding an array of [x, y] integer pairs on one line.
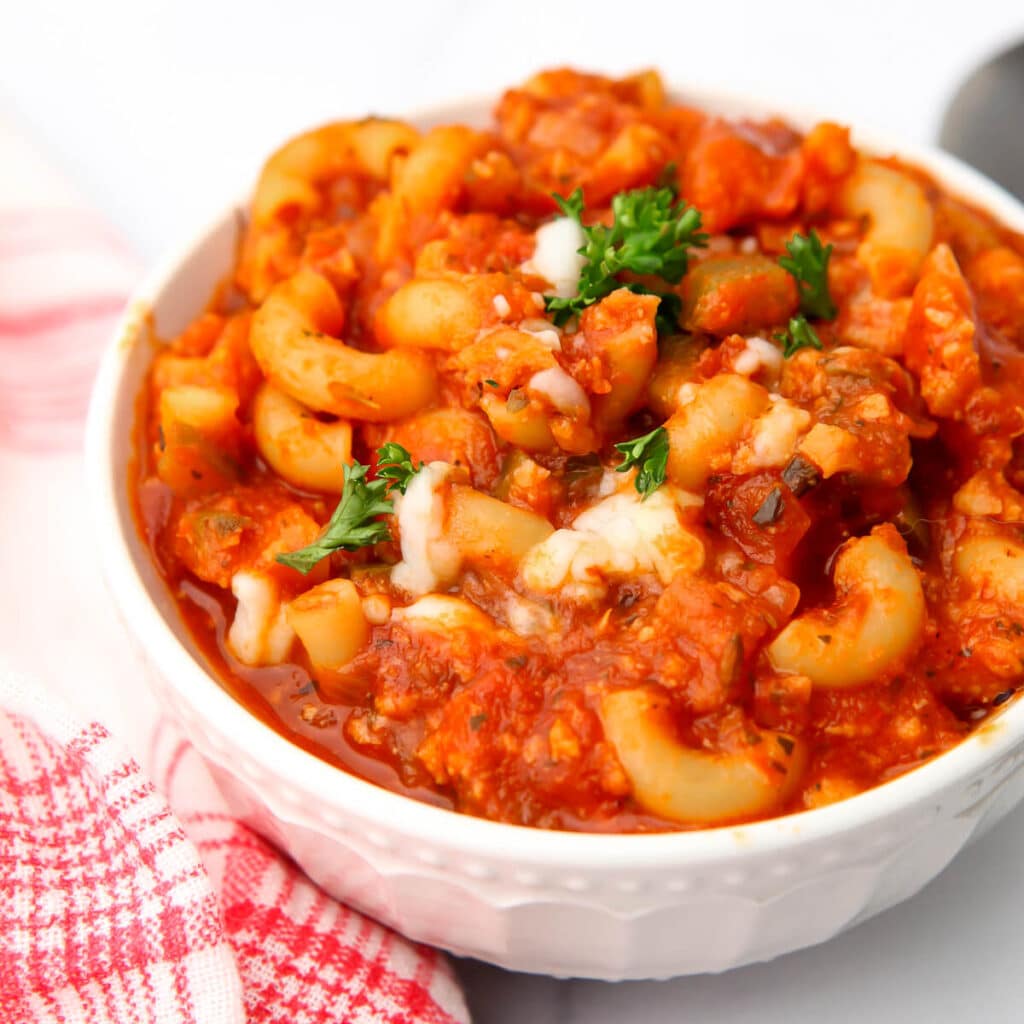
{"points": [[615, 466]]}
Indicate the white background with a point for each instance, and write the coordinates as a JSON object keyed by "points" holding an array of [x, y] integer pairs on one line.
{"points": [[162, 111]]}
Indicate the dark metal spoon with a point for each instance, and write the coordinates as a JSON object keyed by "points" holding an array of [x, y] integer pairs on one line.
{"points": [[984, 125]]}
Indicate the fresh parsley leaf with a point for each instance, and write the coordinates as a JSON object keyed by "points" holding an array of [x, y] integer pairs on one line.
{"points": [[798, 334], [571, 206], [395, 464], [352, 525], [669, 313], [652, 234], [808, 263], [650, 456], [669, 177]]}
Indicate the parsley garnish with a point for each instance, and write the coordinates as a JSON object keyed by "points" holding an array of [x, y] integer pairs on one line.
{"points": [[395, 464], [650, 456], [669, 178], [669, 313], [798, 334], [352, 525], [808, 263], [652, 234]]}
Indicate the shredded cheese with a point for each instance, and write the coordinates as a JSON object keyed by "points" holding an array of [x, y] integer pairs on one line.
{"points": [[612, 481], [758, 354], [561, 391], [773, 437], [547, 334], [618, 537], [686, 393], [528, 618], [260, 633], [429, 562], [441, 613], [556, 257]]}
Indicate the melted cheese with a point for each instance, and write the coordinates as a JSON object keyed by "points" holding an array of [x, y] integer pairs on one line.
{"points": [[617, 538], [528, 618], [259, 634], [773, 438], [561, 390], [443, 614], [547, 334], [556, 257], [758, 354], [610, 482], [686, 393], [429, 562]]}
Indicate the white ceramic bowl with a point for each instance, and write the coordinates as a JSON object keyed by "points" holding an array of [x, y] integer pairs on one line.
{"points": [[598, 906]]}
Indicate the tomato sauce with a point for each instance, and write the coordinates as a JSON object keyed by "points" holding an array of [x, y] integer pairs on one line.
{"points": [[805, 584]]}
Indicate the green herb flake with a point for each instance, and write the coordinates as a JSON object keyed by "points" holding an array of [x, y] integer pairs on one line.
{"points": [[395, 465], [669, 177], [770, 509], [516, 401], [475, 721], [652, 234], [807, 262], [798, 334], [353, 524], [649, 454]]}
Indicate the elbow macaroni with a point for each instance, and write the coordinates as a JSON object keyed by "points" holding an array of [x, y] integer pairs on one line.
{"points": [[330, 623], [307, 453], [481, 515], [290, 190], [291, 341], [702, 431], [900, 224], [876, 621], [692, 786]]}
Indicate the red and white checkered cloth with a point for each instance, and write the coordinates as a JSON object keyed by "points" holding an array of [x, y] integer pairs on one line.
{"points": [[124, 899]]}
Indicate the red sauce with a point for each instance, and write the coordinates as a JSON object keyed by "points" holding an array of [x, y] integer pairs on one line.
{"points": [[507, 716]]}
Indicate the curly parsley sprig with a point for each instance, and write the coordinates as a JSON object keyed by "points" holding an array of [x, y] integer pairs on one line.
{"points": [[650, 456], [807, 262], [354, 523], [798, 334], [652, 234], [395, 464]]}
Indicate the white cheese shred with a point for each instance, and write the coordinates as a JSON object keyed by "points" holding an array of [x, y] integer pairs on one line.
{"points": [[429, 562], [617, 538], [259, 633], [561, 390], [758, 354], [556, 257]]}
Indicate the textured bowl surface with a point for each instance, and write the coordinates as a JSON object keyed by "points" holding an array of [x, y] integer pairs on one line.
{"points": [[584, 905]]}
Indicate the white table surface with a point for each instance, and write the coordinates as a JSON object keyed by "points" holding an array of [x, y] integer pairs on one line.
{"points": [[162, 111]]}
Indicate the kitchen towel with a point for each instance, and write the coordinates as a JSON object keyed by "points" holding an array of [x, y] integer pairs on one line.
{"points": [[127, 891]]}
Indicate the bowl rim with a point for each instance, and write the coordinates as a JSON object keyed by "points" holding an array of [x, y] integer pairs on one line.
{"points": [[337, 790]]}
